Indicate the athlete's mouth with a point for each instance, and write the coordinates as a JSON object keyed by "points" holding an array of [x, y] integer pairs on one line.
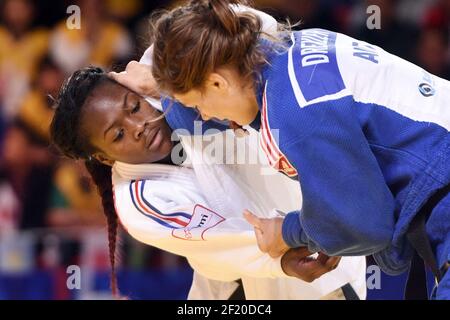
{"points": [[149, 134], [151, 137]]}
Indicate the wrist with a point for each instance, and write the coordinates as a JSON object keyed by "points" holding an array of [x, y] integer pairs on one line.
{"points": [[292, 230], [149, 90]]}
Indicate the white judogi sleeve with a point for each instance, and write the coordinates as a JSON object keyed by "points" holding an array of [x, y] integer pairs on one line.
{"points": [[167, 211]]}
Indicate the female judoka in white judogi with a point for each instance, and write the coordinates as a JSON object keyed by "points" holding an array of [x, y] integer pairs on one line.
{"points": [[194, 210]]}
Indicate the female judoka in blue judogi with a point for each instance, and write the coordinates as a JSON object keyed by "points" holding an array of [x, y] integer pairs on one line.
{"points": [[365, 132]]}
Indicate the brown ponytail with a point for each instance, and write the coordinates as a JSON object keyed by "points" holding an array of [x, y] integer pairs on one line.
{"points": [[225, 16], [192, 41]]}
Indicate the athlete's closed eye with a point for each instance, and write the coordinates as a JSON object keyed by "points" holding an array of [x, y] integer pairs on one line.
{"points": [[119, 135], [136, 108]]}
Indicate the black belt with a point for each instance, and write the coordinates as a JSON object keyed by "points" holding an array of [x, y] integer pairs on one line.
{"points": [[349, 292], [238, 293], [417, 236]]}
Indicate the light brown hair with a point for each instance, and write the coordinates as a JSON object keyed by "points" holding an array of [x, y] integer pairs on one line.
{"points": [[192, 41]]}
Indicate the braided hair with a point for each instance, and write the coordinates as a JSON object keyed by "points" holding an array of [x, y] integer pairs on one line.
{"points": [[66, 135]]}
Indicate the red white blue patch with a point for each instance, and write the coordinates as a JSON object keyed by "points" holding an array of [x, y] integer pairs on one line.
{"points": [[202, 220], [184, 226], [171, 220]]}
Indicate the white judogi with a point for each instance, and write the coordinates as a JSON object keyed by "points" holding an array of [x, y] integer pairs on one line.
{"points": [[196, 211]]}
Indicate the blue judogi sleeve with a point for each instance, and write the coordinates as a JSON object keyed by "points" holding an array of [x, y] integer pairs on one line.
{"points": [[347, 207], [187, 120]]}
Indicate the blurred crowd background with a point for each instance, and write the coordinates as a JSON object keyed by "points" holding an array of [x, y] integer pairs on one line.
{"points": [[50, 214]]}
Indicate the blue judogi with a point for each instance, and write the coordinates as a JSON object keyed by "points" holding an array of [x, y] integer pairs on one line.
{"points": [[367, 135]]}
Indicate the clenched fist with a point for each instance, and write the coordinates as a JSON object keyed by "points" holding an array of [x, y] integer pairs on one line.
{"points": [[299, 263]]}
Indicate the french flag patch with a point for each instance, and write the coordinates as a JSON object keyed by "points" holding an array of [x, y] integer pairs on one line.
{"points": [[202, 220]]}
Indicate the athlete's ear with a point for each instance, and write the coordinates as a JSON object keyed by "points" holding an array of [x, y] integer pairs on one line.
{"points": [[217, 82], [103, 159]]}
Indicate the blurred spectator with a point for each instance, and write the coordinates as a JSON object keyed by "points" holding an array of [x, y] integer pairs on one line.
{"points": [[100, 41], [432, 52], [36, 108], [412, 11], [22, 47], [124, 12], [2, 128], [438, 15], [311, 13], [395, 36], [9, 207], [74, 200], [141, 23], [27, 166]]}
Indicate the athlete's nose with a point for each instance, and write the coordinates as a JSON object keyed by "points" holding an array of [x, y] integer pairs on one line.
{"points": [[139, 130]]}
